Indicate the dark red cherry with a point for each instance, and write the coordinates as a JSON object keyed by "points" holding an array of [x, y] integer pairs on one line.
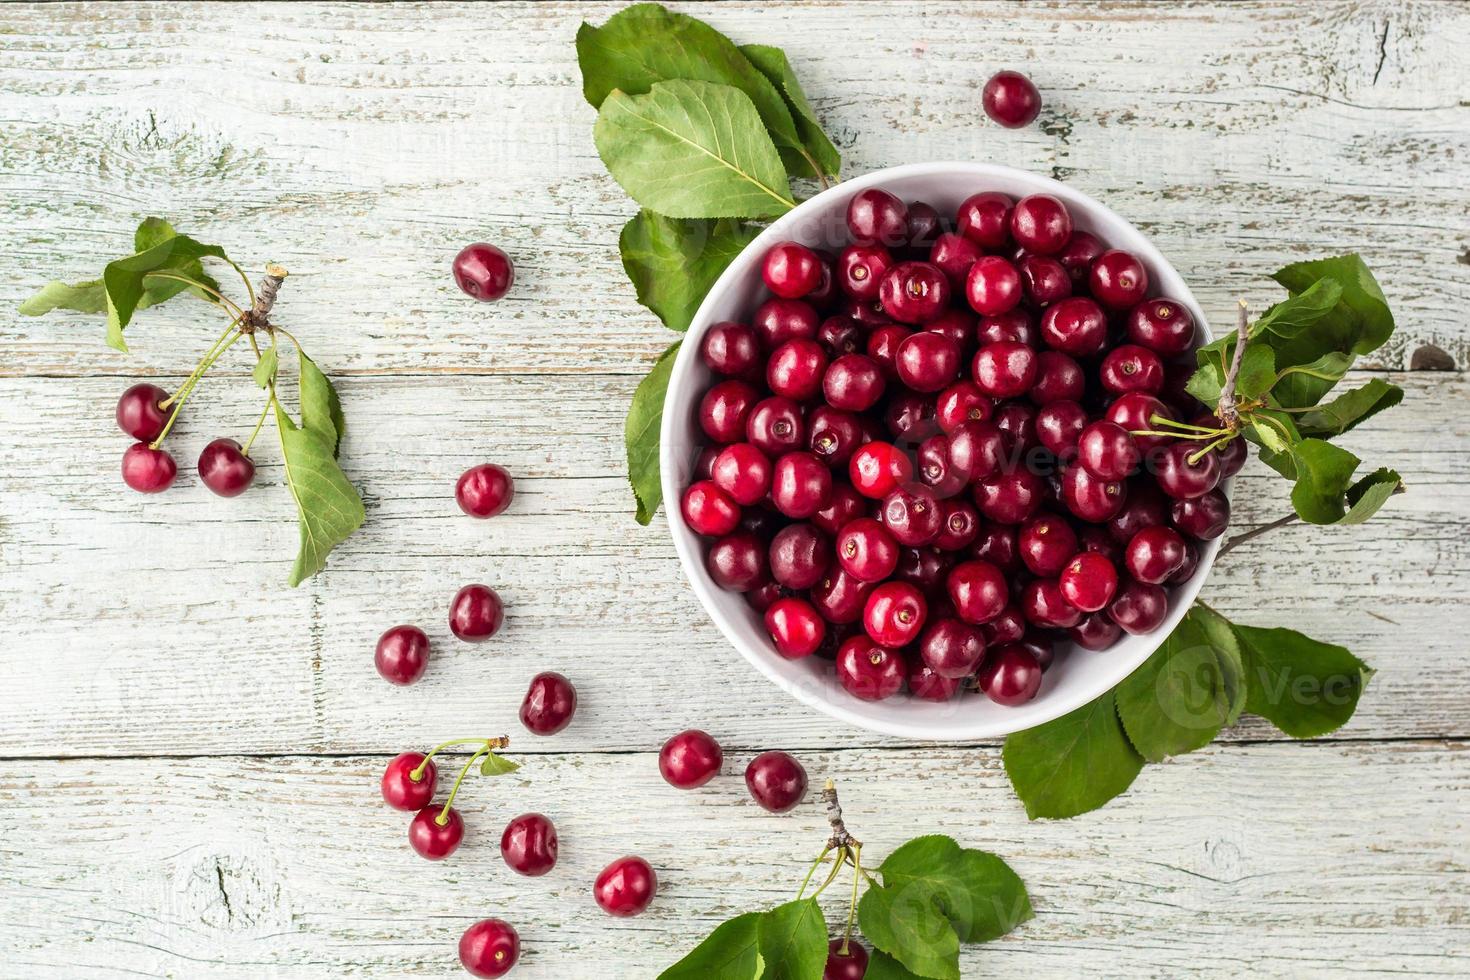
{"points": [[139, 413], [626, 887], [528, 844], [1076, 326], [475, 613], [951, 648], [832, 435], [549, 704], [977, 590], [959, 527], [853, 383], [992, 286], [1044, 280], [895, 614], [840, 335], [845, 506], [867, 550], [148, 470], [996, 544], [958, 326], [775, 426], [961, 402], [1010, 497], [1017, 325], [796, 368], [737, 562], [860, 270], [1136, 412], [709, 510], [935, 471], [489, 948], [875, 216], [1090, 498], [1081, 250], [743, 472], [985, 219], [791, 270], [1154, 554], [1184, 470], [914, 292], [224, 469], [1059, 424], [400, 790], [1010, 675], [1008, 627], [909, 416], [1146, 506], [1042, 602], [1005, 369], [435, 833], [799, 555], [725, 410], [882, 347], [1164, 326], [690, 759], [840, 597], [1139, 607], [484, 272], [924, 225], [1058, 378], [1088, 581], [779, 320], [1016, 421], [776, 781], [1130, 367], [977, 450], [1202, 518], [1107, 451], [926, 685], [954, 254], [847, 959], [927, 361], [868, 671], [1010, 99], [1046, 543], [1095, 631], [796, 628], [731, 349], [801, 484], [402, 655], [877, 467], [1040, 224], [1118, 279], [911, 513]]}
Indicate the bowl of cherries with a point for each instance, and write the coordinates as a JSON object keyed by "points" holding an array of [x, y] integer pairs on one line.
{"points": [[917, 446]]}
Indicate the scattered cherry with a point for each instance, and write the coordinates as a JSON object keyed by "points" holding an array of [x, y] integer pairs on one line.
{"points": [[528, 844], [776, 780], [626, 887], [400, 790], [139, 413], [485, 490], [690, 759], [402, 654], [489, 948], [475, 614], [484, 272], [549, 704], [1010, 99]]}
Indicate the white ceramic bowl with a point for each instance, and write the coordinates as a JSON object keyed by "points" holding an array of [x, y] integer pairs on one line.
{"points": [[1078, 676]]}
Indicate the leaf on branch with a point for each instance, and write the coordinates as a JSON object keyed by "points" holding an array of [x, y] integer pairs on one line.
{"points": [[1325, 492], [641, 434], [904, 922], [881, 966], [321, 409], [1257, 372], [673, 262], [730, 952], [976, 890], [1304, 687], [497, 765], [1303, 385], [1350, 408], [265, 368], [1072, 764], [326, 502], [692, 150], [773, 63], [793, 940], [1361, 308]]}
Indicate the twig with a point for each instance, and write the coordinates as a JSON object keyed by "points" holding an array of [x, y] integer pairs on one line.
{"points": [[258, 315], [1245, 536], [1226, 409], [840, 837]]}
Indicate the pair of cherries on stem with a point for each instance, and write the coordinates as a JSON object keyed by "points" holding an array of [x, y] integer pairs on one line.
{"points": [[145, 412], [436, 830]]}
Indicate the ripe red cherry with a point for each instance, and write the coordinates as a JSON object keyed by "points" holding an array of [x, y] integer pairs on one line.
{"points": [[1135, 412], [1076, 326], [1118, 279], [1130, 367], [927, 361], [776, 781], [432, 839], [962, 402], [1005, 369], [1040, 224], [626, 887], [853, 383], [961, 525], [1009, 627], [796, 628], [148, 470], [1154, 554], [1162, 325], [1058, 378], [1202, 518], [1059, 425], [951, 648], [833, 434], [894, 614], [935, 470], [1187, 567], [1043, 604], [1046, 543], [528, 844], [708, 510], [909, 416], [847, 959], [139, 414], [402, 655], [400, 790], [1185, 472], [476, 613], [1095, 631], [1044, 280], [690, 759], [861, 270], [489, 948], [868, 671], [800, 485], [743, 472], [1010, 675], [1139, 607], [799, 556], [926, 685], [1010, 498], [796, 368], [914, 292], [1107, 451], [978, 591], [954, 254], [840, 335], [1017, 325], [224, 469], [484, 272], [877, 467], [778, 320], [1089, 581], [1016, 421], [737, 562], [912, 514], [1010, 99], [731, 349], [725, 409], [1146, 506], [1090, 498], [846, 505], [875, 216], [1077, 256], [866, 550], [791, 270], [993, 286], [775, 426], [923, 224], [977, 450], [482, 491], [840, 597], [549, 704], [985, 219], [882, 347]]}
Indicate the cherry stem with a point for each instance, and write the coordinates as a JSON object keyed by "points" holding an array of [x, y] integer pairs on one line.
{"points": [[857, 875], [443, 817], [182, 395], [270, 399], [1226, 411], [1196, 457], [813, 870], [1166, 422], [840, 837], [842, 857], [1198, 436], [490, 743], [1254, 532]]}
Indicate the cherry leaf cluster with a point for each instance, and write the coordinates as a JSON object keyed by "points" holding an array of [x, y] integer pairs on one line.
{"points": [[703, 134]]}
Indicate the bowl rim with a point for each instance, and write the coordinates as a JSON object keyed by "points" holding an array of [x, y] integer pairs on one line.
{"points": [[687, 543]]}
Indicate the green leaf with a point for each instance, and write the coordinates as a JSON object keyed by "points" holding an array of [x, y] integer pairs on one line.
{"points": [[673, 262], [497, 765], [321, 409], [1303, 385], [793, 941], [730, 952], [645, 44], [1301, 311], [881, 966], [772, 63], [692, 150], [1185, 692], [1072, 764], [976, 890], [327, 504], [1369, 494], [265, 368], [640, 432], [1304, 687], [1350, 408], [1257, 372], [905, 923], [1323, 474], [84, 297], [1270, 436], [151, 232], [1361, 308], [123, 279]]}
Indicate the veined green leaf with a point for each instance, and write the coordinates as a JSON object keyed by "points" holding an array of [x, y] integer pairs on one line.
{"points": [[904, 922], [497, 765], [1072, 764], [1304, 687], [730, 952], [1361, 306], [673, 262], [327, 504], [641, 434], [321, 410], [976, 890], [793, 941], [1257, 372], [1303, 385], [881, 966], [265, 368], [773, 63], [1365, 497], [1350, 408]]}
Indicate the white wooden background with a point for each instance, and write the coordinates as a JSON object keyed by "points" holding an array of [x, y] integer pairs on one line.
{"points": [[189, 751]]}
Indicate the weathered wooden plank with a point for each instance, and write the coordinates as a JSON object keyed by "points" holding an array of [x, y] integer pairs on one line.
{"points": [[135, 623], [362, 146], [1276, 860]]}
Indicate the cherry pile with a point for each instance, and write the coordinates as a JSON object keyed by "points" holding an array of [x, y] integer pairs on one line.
{"points": [[941, 450]]}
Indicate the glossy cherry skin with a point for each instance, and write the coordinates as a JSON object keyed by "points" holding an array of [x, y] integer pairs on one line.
{"points": [[801, 485], [1016, 421], [775, 426], [1204, 517], [138, 412], [912, 515], [796, 628], [1010, 675], [400, 790], [895, 614], [1187, 567], [953, 255], [1011, 99], [853, 383], [846, 505], [996, 544], [1088, 581], [731, 349], [796, 368], [992, 286], [1130, 367], [482, 491], [1010, 498], [951, 648], [791, 270], [1164, 326], [1075, 325], [1139, 607], [475, 613], [868, 671], [877, 467], [402, 655], [1009, 627], [737, 562], [962, 402], [1017, 325], [1183, 476], [743, 472], [875, 216], [1040, 224], [1059, 425], [1090, 498], [1095, 631], [867, 550], [224, 469], [626, 887], [776, 781], [926, 685], [708, 510], [841, 335], [935, 470], [1118, 279], [725, 409], [1154, 554], [832, 435], [977, 450], [927, 361], [528, 844], [1135, 412], [489, 948], [148, 470], [1044, 280], [1077, 256], [1046, 544], [483, 272], [841, 597], [914, 292], [1058, 378], [849, 965], [861, 269], [923, 225], [1043, 603], [434, 840], [909, 416], [779, 320], [549, 704], [1005, 369], [690, 759], [985, 219], [1107, 451], [977, 590], [925, 569], [1146, 506], [1097, 539], [799, 555]]}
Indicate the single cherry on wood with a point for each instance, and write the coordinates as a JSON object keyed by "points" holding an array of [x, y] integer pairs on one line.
{"points": [[436, 832], [225, 469], [148, 470], [485, 490], [140, 413], [489, 948], [626, 887], [690, 759], [528, 844], [549, 704], [401, 790], [776, 780], [402, 654], [1011, 99], [475, 613], [484, 272]]}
